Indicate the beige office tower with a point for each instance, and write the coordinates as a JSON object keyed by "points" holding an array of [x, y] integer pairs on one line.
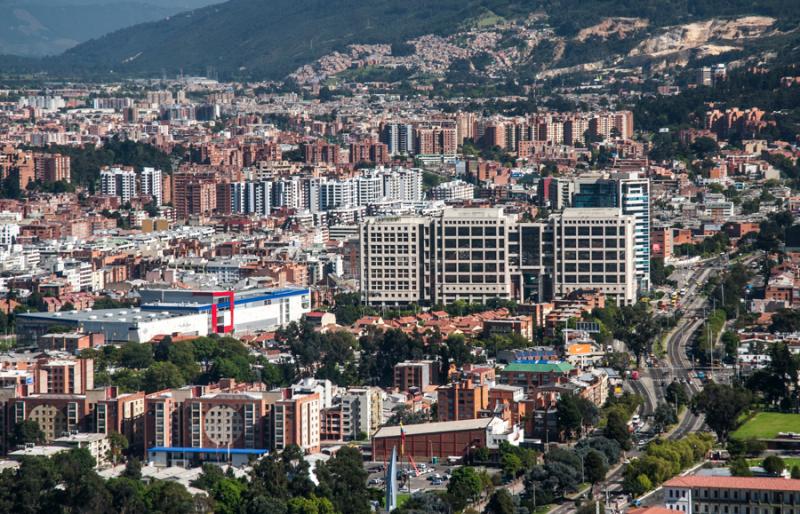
{"points": [[595, 250]]}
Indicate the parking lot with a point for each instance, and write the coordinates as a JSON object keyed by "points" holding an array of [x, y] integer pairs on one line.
{"points": [[430, 478]]}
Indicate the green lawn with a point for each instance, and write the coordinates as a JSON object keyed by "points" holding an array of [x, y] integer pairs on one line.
{"points": [[789, 462], [766, 425], [402, 498]]}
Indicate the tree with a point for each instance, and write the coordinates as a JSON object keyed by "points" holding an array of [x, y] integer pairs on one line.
{"points": [[511, 465], [664, 416], [162, 375], [796, 472], [25, 432], [68, 306], [136, 355], [739, 467], [617, 428], [133, 469], [428, 502], [722, 404], [128, 495], [676, 394], [227, 494], [169, 497], [118, 443], [574, 413], [343, 479], [464, 487], [501, 502], [773, 465], [595, 467]]}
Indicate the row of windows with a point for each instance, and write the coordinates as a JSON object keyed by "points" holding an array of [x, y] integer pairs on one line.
{"points": [[392, 249], [593, 243], [475, 267], [595, 256], [390, 273], [473, 243], [474, 279], [586, 267], [475, 255], [593, 279], [474, 231], [594, 231]]}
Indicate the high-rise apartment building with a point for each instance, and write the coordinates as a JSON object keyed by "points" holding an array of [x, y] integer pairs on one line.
{"points": [[118, 182], [250, 197], [362, 409], [151, 182], [52, 167], [296, 420], [399, 138], [634, 194]]}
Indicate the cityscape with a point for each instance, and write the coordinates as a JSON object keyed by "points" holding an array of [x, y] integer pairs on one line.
{"points": [[481, 257]]}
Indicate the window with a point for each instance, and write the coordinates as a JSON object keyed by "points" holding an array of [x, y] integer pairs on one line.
{"points": [[583, 231], [463, 231], [450, 231]]}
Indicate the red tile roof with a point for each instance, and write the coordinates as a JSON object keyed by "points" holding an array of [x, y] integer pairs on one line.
{"points": [[755, 483], [652, 510]]}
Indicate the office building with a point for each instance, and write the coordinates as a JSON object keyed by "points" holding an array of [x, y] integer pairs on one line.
{"points": [[459, 254], [594, 250], [630, 193]]}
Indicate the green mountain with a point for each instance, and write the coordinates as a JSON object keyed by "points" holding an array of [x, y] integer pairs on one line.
{"points": [[271, 38], [48, 27]]}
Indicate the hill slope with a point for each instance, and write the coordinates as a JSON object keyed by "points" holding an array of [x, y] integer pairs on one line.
{"points": [[272, 38], [48, 27]]}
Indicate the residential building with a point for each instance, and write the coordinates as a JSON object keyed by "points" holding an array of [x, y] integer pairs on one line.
{"points": [[361, 412], [296, 420], [118, 182], [151, 184]]}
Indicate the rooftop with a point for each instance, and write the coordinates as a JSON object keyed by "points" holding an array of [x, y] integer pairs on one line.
{"points": [[752, 483], [539, 367], [432, 428]]}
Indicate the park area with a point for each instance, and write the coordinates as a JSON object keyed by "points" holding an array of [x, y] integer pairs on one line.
{"points": [[766, 425]]}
